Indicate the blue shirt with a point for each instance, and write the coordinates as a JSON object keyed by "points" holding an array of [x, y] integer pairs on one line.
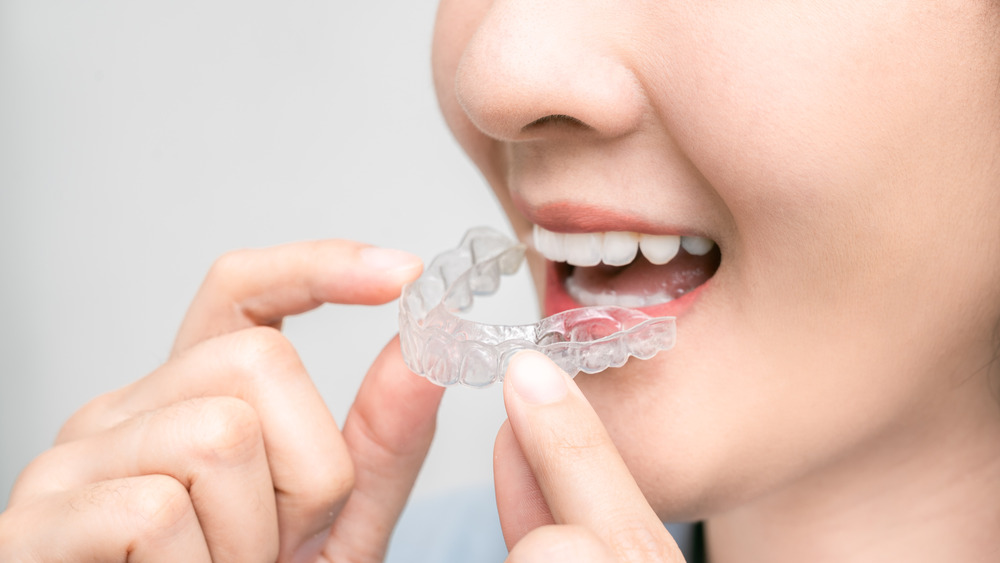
{"points": [[463, 527]]}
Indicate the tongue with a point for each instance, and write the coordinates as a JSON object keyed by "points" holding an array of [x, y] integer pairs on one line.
{"points": [[671, 280]]}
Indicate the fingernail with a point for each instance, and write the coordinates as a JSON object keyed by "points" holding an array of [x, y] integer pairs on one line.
{"points": [[389, 259], [310, 550], [536, 379]]}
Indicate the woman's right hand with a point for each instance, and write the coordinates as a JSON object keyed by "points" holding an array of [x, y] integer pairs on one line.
{"points": [[227, 452]]}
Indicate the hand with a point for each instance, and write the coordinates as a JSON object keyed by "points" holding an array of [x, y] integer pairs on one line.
{"points": [[563, 491], [227, 452]]}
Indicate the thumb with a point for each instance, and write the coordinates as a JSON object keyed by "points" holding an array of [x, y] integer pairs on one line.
{"points": [[578, 470]]}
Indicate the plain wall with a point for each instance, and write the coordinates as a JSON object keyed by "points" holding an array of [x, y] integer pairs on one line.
{"points": [[140, 140]]}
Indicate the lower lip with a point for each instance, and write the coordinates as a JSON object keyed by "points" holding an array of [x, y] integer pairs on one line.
{"points": [[558, 300]]}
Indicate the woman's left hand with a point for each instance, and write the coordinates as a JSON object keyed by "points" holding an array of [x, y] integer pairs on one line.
{"points": [[563, 491]]}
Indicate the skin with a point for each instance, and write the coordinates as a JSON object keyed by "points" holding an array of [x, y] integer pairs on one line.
{"points": [[829, 396], [227, 452]]}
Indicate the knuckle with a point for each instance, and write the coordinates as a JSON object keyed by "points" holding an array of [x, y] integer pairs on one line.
{"points": [[225, 430], [228, 266], [37, 477], [372, 444], [264, 348], [581, 444], [258, 353], [155, 504], [636, 542], [560, 543], [87, 418], [329, 488], [265, 341]]}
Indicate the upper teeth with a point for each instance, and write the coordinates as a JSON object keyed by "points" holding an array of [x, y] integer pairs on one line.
{"points": [[615, 248]]}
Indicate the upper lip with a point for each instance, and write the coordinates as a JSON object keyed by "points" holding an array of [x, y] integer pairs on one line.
{"points": [[574, 217]]}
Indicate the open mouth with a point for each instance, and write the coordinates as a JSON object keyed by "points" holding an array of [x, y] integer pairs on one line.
{"points": [[624, 269]]}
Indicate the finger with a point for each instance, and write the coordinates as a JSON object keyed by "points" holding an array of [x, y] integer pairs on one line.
{"points": [[388, 431], [579, 471], [520, 502], [212, 447], [145, 519], [262, 286], [309, 462], [561, 543]]}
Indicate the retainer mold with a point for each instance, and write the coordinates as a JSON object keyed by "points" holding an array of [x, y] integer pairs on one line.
{"points": [[449, 350]]}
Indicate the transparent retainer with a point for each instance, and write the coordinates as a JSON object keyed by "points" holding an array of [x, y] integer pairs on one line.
{"points": [[449, 350]]}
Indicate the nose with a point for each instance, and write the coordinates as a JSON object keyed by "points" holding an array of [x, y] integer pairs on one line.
{"points": [[533, 68]]}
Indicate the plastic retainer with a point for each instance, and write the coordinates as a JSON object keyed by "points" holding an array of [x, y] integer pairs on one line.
{"points": [[449, 350]]}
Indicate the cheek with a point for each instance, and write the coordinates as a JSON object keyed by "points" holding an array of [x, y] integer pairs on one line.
{"points": [[837, 147], [863, 270]]}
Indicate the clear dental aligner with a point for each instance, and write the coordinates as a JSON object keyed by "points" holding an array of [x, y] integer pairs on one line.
{"points": [[449, 350]]}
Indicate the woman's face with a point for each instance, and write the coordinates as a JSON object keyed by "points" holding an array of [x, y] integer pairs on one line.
{"points": [[845, 159]]}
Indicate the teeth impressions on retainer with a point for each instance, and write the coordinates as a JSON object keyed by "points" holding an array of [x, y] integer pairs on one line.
{"points": [[449, 350]]}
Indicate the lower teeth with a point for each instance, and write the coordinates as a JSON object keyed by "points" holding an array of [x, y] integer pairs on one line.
{"points": [[589, 298]]}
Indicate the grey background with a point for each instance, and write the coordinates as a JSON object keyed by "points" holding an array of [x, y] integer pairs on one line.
{"points": [[141, 140]]}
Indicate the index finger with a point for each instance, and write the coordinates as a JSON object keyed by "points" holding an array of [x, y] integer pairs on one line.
{"points": [[580, 473], [257, 287]]}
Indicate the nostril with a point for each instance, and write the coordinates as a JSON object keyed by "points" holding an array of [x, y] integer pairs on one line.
{"points": [[556, 119]]}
